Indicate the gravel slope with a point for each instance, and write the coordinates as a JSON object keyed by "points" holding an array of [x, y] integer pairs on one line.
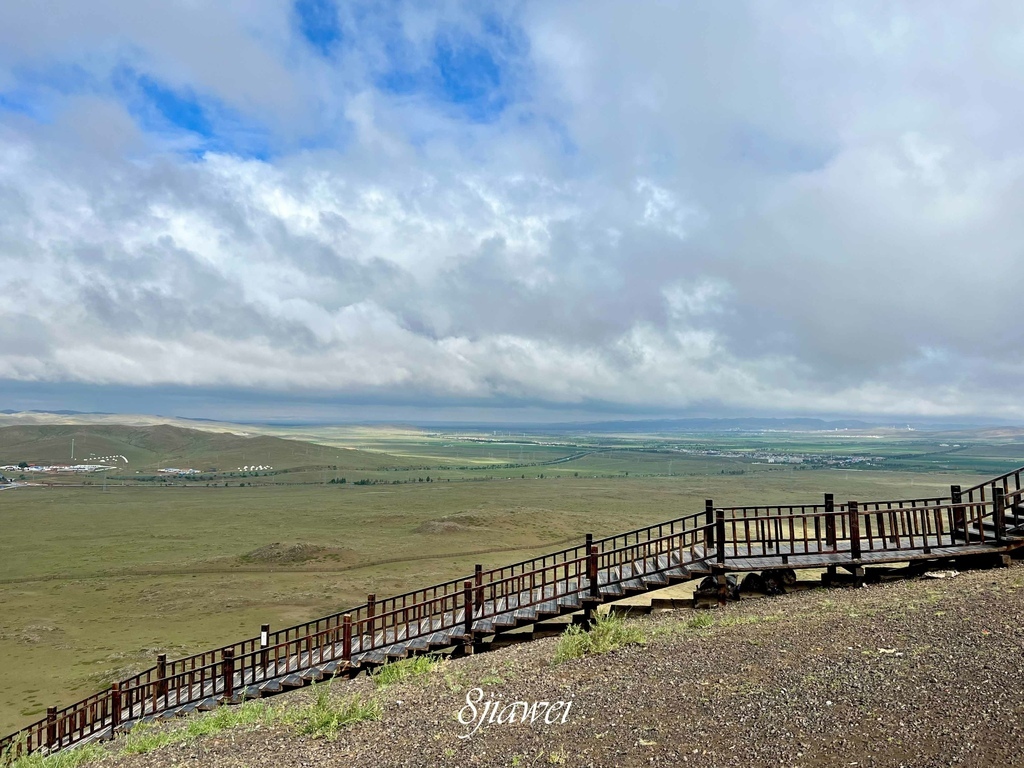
{"points": [[915, 673]]}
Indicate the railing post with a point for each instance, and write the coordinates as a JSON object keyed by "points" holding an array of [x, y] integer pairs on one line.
{"points": [[830, 521], [854, 515], [264, 645], [478, 578], [467, 616], [719, 541], [115, 706], [709, 522], [959, 517], [595, 587], [51, 727], [227, 668], [161, 678], [346, 637], [371, 616], [998, 516]]}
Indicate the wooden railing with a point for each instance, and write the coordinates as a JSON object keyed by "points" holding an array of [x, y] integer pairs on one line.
{"points": [[735, 537]]}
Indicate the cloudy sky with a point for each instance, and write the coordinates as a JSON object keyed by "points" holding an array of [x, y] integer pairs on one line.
{"points": [[537, 210]]}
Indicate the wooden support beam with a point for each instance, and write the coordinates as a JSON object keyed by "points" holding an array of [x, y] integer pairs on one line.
{"points": [[854, 515], [998, 513], [478, 579], [595, 587], [161, 678], [720, 537], [830, 521], [227, 669], [346, 637], [264, 643], [959, 513], [51, 727], [829, 576], [467, 619], [709, 521], [115, 706]]}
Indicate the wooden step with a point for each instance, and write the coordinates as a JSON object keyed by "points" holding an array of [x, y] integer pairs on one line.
{"points": [[397, 651], [550, 608], [655, 580], [525, 614]]}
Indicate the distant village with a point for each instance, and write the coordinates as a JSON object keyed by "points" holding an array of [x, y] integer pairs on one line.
{"points": [[50, 468]]}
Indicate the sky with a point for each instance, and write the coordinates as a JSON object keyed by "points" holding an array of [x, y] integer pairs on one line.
{"points": [[512, 211]]}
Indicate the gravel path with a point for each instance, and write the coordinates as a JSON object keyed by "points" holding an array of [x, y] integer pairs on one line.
{"points": [[914, 673]]}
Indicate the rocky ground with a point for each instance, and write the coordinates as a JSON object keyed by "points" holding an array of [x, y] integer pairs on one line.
{"points": [[925, 672]]}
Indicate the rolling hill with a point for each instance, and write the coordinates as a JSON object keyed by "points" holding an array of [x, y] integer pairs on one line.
{"points": [[148, 448]]}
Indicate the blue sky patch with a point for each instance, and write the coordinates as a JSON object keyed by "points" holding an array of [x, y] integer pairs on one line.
{"points": [[206, 123], [470, 77], [179, 108], [474, 74], [318, 22]]}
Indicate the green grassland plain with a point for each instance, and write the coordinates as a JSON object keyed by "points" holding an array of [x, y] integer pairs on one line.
{"points": [[95, 581]]}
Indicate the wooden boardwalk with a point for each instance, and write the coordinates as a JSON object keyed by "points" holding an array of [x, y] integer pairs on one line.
{"points": [[983, 520]]}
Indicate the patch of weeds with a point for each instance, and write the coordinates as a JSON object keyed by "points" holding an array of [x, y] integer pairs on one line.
{"points": [[68, 758], [608, 633], [701, 620], [456, 680], [492, 679], [559, 757], [325, 716], [146, 737], [399, 671]]}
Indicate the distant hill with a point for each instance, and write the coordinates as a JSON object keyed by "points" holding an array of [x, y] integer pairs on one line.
{"points": [[152, 447]]}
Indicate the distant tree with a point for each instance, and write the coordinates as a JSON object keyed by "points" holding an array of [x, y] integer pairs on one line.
{"points": [[23, 464]]}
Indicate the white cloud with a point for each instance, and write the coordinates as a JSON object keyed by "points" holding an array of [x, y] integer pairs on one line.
{"points": [[755, 207]]}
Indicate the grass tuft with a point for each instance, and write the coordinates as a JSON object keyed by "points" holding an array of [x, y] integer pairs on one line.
{"points": [[146, 737], [325, 716], [68, 758], [701, 620], [608, 633], [398, 671]]}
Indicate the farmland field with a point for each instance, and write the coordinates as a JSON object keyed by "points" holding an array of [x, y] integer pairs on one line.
{"points": [[96, 579]]}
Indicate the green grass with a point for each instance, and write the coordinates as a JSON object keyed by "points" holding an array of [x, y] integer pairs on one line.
{"points": [[700, 620], [67, 759], [327, 715], [148, 737], [406, 669], [608, 633], [94, 584], [324, 717]]}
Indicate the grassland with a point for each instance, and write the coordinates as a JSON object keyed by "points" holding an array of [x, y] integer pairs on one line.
{"points": [[95, 582]]}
